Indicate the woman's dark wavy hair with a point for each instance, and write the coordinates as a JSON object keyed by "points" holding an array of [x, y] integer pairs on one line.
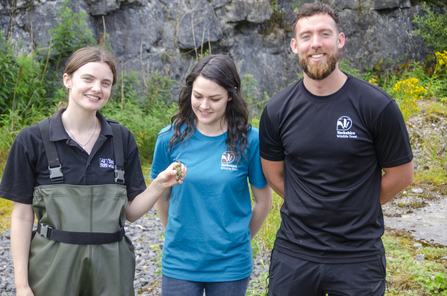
{"points": [[222, 70]]}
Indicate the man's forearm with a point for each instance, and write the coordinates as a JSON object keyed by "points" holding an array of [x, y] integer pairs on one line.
{"points": [[274, 174], [395, 180]]}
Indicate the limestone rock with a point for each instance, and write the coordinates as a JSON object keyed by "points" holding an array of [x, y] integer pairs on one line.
{"points": [[148, 35]]}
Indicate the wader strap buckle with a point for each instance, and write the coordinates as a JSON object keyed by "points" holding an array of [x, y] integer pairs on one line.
{"points": [[119, 176], [80, 238], [56, 175], [44, 230], [119, 154]]}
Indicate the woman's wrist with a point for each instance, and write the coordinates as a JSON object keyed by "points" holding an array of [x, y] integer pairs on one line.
{"points": [[157, 184], [21, 283]]}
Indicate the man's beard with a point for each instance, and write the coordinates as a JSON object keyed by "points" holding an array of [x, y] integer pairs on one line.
{"points": [[319, 70]]}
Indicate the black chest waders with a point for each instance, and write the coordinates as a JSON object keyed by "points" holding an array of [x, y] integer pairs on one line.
{"points": [[80, 247]]}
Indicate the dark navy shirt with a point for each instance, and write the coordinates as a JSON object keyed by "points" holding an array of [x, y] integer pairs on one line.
{"points": [[27, 165]]}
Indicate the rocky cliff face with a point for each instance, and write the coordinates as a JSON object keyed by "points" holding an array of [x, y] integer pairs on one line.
{"points": [[147, 34]]}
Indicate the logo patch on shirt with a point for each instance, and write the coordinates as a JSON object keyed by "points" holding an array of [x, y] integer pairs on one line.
{"points": [[106, 163], [227, 158], [344, 125]]}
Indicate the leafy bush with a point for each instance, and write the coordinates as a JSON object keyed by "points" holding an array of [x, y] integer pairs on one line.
{"points": [[145, 115], [433, 28], [70, 34], [144, 126], [20, 86]]}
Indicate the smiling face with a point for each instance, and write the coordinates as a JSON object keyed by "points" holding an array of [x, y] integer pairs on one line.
{"points": [[89, 86], [317, 44], [209, 101]]}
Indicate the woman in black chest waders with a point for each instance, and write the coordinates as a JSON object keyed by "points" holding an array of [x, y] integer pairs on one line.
{"points": [[81, 176]]}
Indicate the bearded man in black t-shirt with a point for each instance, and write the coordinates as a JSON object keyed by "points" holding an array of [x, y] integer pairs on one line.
{"points": [[325, 141]]}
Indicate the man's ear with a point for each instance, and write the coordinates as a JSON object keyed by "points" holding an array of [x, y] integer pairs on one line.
{"points": [[341, 40], [294, 46]]}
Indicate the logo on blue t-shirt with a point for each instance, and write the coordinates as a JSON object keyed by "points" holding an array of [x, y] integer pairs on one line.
{"points": [[106, 163], [344, 125], [227, 158]]}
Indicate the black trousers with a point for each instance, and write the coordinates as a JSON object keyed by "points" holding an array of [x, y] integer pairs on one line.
{"points": [[293, 276]]}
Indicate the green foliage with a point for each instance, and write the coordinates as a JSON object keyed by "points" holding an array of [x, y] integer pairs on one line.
{"points": [[248, 88], [433, 28], [249, 91], [405, 275], [274, 5], [436, 284], [159, 257], [259, 286], [19, 79], [8, 74], [346, 66], [202, 54], [70, 34], [296, 5], [144, 126], [158, 89], [146, 114]]}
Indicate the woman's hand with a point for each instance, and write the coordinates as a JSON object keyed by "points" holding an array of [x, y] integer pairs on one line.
{"points": [[146, 200], [167, 178]]}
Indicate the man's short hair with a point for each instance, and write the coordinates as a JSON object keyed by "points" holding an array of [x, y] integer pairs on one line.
{"points": [[311, 9]]}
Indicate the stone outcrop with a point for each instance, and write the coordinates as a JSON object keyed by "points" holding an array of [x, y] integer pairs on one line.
{"points": [[150, 35]]}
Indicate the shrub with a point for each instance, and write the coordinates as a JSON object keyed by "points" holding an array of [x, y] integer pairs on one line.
{"points": [[20, 86], [432, 28]]}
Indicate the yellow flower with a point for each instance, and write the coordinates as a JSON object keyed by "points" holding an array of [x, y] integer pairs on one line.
{"points": [[441, 57]]}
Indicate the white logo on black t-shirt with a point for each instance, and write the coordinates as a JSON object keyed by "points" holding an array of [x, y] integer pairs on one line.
{"points": [[106, 163], [344, 124]]}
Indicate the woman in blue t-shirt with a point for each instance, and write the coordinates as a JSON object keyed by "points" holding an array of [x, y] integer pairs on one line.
{"points": [[209, 218]]}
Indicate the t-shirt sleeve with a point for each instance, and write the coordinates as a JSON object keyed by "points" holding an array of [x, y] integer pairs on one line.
{"points": [[161, 158], [18, 179], [134, 177], [271, 147], [255, 174], [391, 138]]}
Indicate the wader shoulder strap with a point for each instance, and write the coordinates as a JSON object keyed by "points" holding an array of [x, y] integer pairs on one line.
{"points": [[54, 165], [119, 154]]}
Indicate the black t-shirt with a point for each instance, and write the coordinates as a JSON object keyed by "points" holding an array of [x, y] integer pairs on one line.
{"points": [[27, 165], [334, 148]]}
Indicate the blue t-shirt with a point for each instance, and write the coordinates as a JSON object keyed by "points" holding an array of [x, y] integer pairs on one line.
{"points": [[207, 238]]}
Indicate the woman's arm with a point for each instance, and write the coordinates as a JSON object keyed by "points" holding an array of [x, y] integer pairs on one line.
{"points": [[146, 200], [22, 219], [263, 203], [162, 206]]}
